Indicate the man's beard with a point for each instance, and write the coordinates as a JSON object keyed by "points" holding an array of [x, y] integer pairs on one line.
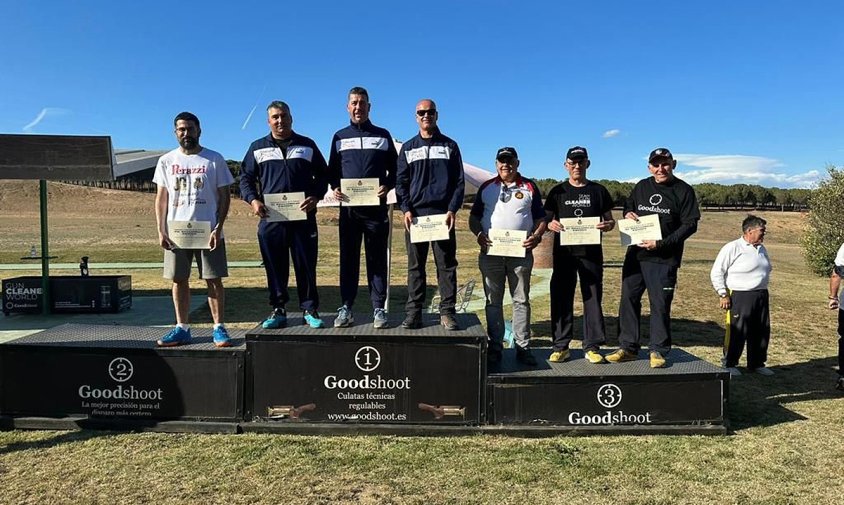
{"points": [[188, 143]]}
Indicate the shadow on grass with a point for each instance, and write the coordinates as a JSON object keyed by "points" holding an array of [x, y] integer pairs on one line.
{"points": [[66, 437], [758, 401]]}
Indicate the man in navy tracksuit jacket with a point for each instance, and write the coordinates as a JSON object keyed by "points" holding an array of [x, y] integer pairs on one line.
{"points": [[286, 162], [361, 151], [429, 180]]}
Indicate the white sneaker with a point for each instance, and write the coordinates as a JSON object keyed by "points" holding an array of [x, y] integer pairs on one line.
{"points": [[379, 319], [734, 372], [345, 318], [763, 370]]}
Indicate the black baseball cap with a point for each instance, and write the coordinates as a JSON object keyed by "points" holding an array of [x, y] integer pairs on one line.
{"points": [[660, 152], [506, 152], [577, 153]]}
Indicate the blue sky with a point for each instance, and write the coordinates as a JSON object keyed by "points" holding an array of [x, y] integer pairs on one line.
{"points": [[741, 91]]}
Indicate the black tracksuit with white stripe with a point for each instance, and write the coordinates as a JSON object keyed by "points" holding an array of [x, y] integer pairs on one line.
{"points": [[361, 152]]}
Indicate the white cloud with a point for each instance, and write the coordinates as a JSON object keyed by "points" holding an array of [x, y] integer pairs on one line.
{"points": [[741, 169], [45, 112], [611, 133]]}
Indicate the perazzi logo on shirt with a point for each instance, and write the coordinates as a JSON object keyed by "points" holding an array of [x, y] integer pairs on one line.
{"points": [[176, 169]]}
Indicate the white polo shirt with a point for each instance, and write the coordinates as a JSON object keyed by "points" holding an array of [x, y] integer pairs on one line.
{"points": [[513, 206]]}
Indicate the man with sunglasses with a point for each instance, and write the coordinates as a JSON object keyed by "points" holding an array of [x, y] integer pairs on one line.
{"points": [[429, 180], [359, 151], [652, 265], [507, 202], [578, 197]]}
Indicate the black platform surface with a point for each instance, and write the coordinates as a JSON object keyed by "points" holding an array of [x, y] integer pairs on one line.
{"points": [[122, 337], [681, 365], [470, 330]]}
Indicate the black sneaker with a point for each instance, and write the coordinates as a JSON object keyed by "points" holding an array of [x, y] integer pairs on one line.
{"points": [[448, 322], [413, 321], [524, 356]]}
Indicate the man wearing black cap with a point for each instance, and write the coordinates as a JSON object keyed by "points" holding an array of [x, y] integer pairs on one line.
{"points": [[507, 202], [575, 198], [653, 264]]}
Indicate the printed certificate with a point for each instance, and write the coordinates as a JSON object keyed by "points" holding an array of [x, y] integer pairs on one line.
{"points": [[580, 231], [633, 232], [284, 206], [428, 228], [360, 192], [190, 234], [507, 243]]}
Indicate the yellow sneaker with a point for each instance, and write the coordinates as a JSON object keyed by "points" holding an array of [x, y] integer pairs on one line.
{"points": [[657, 361], [594, 357], [559, 356], [620, 356]]}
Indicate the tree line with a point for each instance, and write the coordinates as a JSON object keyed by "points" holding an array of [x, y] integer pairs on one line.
{"points": [[710, 195], [714, 196]]}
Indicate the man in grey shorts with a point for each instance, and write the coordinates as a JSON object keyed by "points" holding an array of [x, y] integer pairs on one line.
{"points": [[193, 187]]}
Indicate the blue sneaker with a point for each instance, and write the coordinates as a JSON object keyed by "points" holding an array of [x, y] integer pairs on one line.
{"points": [[379, 319], [221, 337], [275, 320], [174, 337], [312, 319]]}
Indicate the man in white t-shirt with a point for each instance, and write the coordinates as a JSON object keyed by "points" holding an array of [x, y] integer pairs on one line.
{"points": [[508, 202], [193, 186]]}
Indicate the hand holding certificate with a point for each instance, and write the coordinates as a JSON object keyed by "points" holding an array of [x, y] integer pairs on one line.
{"points": [[429, 228], [284, 206], [580, 231], [190, 234], [360, 192], [635, 232], [507, 243]]}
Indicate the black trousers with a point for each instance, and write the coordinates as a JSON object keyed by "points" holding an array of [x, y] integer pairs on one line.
{"points": [[660, 280], [445, 258], [297, 240], [841, 342], [748, 321], [567, 269], [373, 229]]}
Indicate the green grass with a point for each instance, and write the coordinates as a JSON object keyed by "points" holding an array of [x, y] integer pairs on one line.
{"points": [[783, 447]]}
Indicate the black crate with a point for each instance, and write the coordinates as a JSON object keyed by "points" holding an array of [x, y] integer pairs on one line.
{"points": [[689, 392], [117, 372], [363, 375]]}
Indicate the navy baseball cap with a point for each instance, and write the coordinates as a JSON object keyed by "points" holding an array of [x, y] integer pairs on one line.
{"points": [[577, 153], [506, 152], [660, 152]]}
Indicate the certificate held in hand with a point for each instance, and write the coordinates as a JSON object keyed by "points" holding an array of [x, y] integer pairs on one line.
{"points": [[428, 228], [189, 234], [360, 192], [507, 243], [284, 206], [580, 231], [634, 232]]}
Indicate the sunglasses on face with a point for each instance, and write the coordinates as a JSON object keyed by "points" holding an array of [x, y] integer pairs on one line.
{"points": [[426, 112]]}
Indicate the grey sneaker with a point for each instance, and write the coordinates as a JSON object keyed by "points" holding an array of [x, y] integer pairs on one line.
{"points": [[379, 319], [345, 318]]}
